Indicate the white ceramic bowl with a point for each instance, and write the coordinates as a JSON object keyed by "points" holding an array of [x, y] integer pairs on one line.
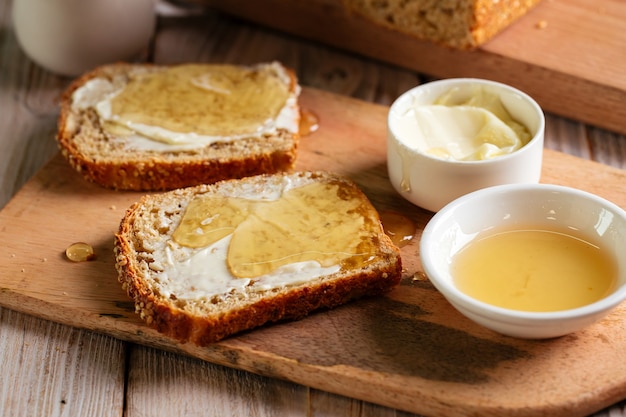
{"points": [[431, 182], [519, 204]]}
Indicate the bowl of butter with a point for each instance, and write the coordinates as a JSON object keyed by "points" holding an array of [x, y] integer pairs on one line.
{"points": [[450, 137], [531, 261]]}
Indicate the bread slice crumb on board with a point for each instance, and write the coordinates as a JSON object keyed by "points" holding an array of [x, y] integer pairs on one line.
{"points": [[206, 262], [146, 127]]}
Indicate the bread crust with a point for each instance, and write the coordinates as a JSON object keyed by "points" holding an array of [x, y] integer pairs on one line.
{"points": [[87, 149], [184, 323]]}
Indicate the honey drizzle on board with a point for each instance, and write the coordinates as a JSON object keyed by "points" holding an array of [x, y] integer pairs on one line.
{"points": [[80, 252], [398, 227]]}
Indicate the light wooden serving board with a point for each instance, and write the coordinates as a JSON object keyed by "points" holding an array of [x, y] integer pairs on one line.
{"points": [[408, 350], [570, 55]]}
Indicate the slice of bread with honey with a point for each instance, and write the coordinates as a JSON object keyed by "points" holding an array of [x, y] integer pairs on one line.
{"points": [[145, 127], [206, 262]]}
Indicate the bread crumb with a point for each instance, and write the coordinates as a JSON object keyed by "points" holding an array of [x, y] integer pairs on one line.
{"points": [[44, 260], [22, 270], [113, 207], [542, 24]]}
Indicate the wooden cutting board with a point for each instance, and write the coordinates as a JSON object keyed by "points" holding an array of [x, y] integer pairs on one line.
{"points": [[570, 55], [408, 350]]}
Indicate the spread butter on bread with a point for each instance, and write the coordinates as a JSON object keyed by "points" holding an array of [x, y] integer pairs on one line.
{"points": [[203, 263], [147, 127]]}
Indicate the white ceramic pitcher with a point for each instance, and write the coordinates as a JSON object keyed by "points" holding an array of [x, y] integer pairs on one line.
{"points": [[71, 36]]}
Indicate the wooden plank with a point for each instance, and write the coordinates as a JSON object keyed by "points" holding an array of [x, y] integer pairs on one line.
{"points": [[74, 372], [218, 391], [409, 350], [215, 391], [48, 369], [28, 118], [573, 66]]}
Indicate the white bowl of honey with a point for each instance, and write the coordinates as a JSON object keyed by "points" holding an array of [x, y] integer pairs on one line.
{"points": [[531, 261], [450, 137]]}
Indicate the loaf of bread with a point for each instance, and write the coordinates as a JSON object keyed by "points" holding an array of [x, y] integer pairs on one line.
{"points": [[206, 262], [458, 24], [147, 127]]}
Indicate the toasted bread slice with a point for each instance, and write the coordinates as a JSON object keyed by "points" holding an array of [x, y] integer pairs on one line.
{"points": [[301, 242], [144, 127]]}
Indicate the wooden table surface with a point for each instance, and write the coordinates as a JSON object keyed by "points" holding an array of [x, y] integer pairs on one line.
{"points": [[50, 369]]}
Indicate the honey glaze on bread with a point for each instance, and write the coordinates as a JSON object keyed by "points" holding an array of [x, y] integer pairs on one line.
{"points": [[147, 127], [206, 262]]}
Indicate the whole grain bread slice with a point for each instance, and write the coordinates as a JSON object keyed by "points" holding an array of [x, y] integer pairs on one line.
{"points": [[111, 161], [145, 252], [457, 24]]}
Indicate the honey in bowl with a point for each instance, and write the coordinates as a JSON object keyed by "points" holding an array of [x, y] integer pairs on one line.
{"points": [[534, 269]]}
